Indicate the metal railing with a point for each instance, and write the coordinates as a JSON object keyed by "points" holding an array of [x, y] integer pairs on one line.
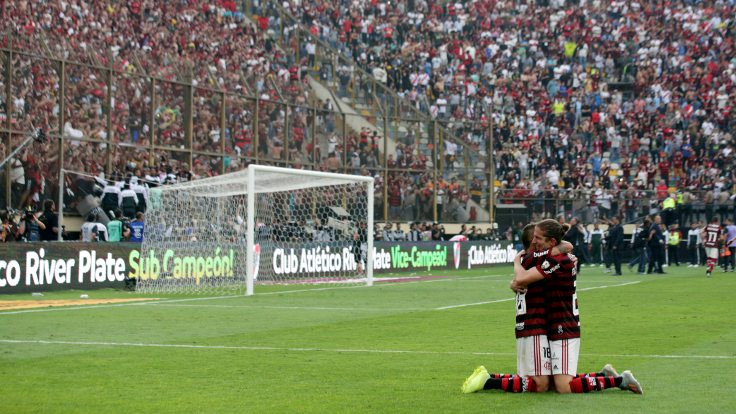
{"points": [[103, 120]]}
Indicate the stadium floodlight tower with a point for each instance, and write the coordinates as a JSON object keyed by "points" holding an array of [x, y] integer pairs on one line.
{"points": [[261, 225]]}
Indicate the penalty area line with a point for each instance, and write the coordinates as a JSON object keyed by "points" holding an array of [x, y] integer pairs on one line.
{"points": [[464, 305], [333, 350]]}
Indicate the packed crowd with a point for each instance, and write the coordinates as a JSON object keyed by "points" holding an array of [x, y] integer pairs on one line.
{"points": [[208, 44], [602, 100], [610, 94]]}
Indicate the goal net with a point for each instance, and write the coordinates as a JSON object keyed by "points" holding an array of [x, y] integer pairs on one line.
{"points": [[262, 225]]}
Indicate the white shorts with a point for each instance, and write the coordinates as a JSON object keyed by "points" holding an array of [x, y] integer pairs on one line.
{"points": [[565, 355], [711, 252], [532, 356]]}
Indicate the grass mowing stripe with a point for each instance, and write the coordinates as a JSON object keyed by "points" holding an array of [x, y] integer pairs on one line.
{"points": [[280, 292], [463, 305], [168, 301], [292, 307], [338, 350], [153, 300]]}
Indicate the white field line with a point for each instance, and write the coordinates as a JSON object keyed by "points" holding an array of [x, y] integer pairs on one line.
{"points": [[383, 284], [334, 350], [291, 307], [463, 305]]}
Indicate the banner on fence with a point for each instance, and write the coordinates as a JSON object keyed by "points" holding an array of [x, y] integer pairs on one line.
{"points": [[31, 267]]}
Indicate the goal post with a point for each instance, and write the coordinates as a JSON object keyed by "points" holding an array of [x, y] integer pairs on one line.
{"points": [[262, 225]]}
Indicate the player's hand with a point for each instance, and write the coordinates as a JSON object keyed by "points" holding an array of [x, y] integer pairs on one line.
{"points": [[574, 259], [516, 288], [518, 257]]}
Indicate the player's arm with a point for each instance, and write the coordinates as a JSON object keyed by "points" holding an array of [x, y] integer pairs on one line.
{"points": [[563, 248], [524, 277], [515, 287]]}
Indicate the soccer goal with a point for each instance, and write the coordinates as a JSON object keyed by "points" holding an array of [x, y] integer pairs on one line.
{"points": [[262, 225]]}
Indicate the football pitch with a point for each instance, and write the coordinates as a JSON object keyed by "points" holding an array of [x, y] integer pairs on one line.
{"points": [[401, 347]]}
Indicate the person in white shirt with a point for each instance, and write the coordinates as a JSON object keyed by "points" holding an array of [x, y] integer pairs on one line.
{"points": [[441, 107], [92, 230], [594, 239], [388, 235], [553, 176], [128, 201], [101, 232], [693, 244], [398, 234], [450, 151], [440, 203], [141, 193], [604, 202], [414, 233], [110, 197]]}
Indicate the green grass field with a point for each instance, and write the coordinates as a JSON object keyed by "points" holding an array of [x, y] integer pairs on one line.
{"points": [[394, 347]]}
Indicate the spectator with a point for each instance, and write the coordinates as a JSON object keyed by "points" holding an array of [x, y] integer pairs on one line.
{"points": [[576, 237], [110, 198], [387, 233], [656, 242], [595, 241], [594, 82], [50, 221], [8, 230], [117, 228], [17, 181], [398, 233], [414, 233], [616, 242], [693, 244], [137, 228], [128, 201], [92, 230], [141, 193]]}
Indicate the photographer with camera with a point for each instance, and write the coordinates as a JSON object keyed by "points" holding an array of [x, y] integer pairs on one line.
{"points": [[50, 221], [8, 229], [31, 227]]}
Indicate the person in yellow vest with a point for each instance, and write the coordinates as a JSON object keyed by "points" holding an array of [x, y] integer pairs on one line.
{"points": [[668, 210], [680, 209], [673, 246], [558, 107]]}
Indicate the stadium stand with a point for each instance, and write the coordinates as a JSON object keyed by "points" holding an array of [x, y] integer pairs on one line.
{"points": [[593, 108]]}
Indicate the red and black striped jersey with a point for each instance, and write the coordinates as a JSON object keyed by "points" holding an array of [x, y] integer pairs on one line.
{"points": [[712, 233], [561, 300], [530, 306]]}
